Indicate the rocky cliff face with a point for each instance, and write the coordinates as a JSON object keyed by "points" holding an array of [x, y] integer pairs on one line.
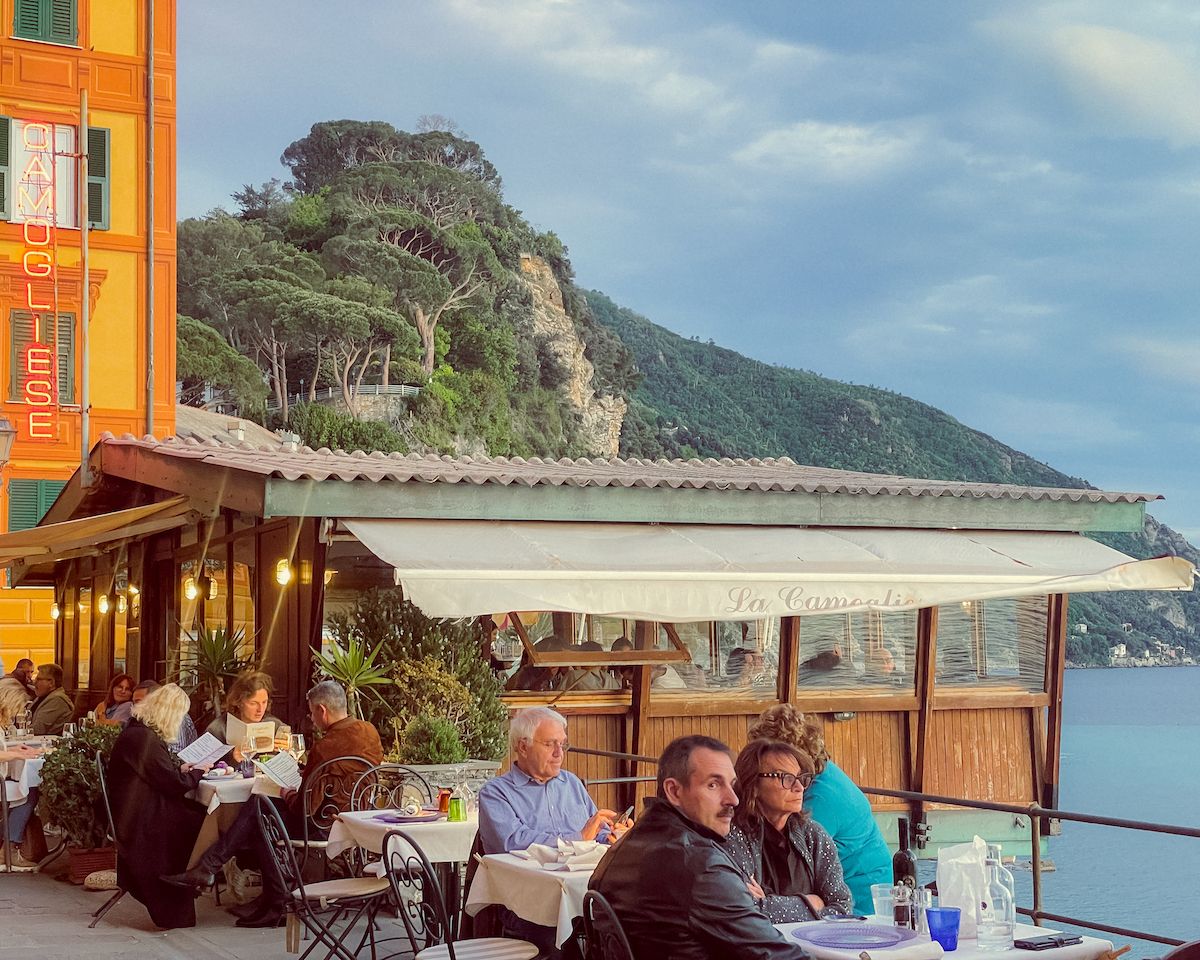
{"points": [[560, 347]]}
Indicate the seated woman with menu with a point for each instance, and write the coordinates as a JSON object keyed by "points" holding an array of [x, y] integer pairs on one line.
{"points": [[248, 700]]}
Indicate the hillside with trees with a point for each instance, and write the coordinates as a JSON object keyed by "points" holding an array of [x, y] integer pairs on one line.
{"points": [[391, 258]]}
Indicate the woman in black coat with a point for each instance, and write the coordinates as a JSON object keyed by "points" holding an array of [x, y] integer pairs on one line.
{"points": [[156, 824]]}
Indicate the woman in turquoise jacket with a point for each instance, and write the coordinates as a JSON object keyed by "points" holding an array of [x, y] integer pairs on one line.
{"points": [[836, 803]]}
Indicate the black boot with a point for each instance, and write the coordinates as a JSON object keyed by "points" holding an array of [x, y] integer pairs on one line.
{"points": [[271, 915], [250, 908], [199, 878]]}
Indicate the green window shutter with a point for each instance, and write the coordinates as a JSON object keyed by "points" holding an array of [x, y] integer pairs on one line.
{"points": [[28, 501], [66, 358], [5, 165], [29, 21], [21, 336], [99, 150], [63, 21]]}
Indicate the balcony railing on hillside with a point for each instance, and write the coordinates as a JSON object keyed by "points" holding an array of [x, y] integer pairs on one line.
{"points": [[335, 393], [1034, 813]]}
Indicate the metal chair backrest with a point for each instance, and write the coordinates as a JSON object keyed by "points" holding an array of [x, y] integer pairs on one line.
{"points": [[327, 789], [112, 828], [1186, 951], [416, 891], [605, 936], [279, 843], [387, 786]]}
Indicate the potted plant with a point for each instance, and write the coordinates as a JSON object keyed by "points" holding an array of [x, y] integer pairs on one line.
{"points": [[431, 740], [71, 800], [353, 666], [213, 657]]}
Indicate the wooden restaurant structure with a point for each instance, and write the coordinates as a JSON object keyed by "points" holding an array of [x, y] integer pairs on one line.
{"points": [[922, 622]]}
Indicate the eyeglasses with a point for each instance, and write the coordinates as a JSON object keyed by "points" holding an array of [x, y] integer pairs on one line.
{"points": [[789, 780], [553, 745]]}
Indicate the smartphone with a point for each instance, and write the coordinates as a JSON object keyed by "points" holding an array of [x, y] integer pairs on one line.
{"points": [[1048, 942], [626, 815]]}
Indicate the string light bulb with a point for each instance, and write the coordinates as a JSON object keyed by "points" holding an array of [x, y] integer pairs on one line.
{"points": [[283, 572], [102, 604], [190, 592]]}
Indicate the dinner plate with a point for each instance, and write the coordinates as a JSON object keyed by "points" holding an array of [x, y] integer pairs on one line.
{"points": [[392, 817], [211, 775], [857, 936]]}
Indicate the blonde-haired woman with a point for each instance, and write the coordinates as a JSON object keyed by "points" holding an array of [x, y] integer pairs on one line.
{"points": [[156, 825], [21, 804], [835, 802]]}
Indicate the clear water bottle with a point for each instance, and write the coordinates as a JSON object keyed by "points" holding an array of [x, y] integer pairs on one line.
{"points": [[998, 913]]}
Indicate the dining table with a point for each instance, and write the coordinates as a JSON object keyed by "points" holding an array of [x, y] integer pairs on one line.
{"points": [[549, 898], [922, 948], [445, 843], [222, 799]]}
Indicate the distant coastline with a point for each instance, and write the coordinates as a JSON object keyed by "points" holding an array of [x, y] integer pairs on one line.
{"points": [[1131, 665]]}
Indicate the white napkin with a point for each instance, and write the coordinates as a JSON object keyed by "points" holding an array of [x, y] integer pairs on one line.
{"points": [[564, 855]]}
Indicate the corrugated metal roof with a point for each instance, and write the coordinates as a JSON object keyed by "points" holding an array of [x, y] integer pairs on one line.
{"points": [[766, 476]]}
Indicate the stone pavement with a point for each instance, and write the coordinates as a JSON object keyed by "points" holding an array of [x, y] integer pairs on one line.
{"points": [[42, 918]]}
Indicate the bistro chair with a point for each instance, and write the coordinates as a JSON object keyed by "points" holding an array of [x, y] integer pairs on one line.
{"points": [[418, 900], [327, 792], [1185, 951], [112, 834], [388, 786], [602, 930], [318, 907]]}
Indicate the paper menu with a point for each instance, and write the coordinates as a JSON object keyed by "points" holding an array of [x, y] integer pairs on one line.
{"points": [[282, 769], [261, 735], [206, 749]]}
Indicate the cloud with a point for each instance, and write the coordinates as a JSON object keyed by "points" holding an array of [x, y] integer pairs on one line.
{"points": [[831, 151], [1136, 84], [1035, 424], [977, 315], [1172, 358]]}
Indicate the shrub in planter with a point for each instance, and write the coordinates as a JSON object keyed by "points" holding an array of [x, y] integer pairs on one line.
{"points": [[431, 740], [70, 792]]}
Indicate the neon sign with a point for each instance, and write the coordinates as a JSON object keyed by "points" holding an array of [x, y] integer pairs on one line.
{"points": [[36, 199]]}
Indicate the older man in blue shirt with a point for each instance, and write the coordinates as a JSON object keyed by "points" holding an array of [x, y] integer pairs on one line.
{"points": [[537, 801]]}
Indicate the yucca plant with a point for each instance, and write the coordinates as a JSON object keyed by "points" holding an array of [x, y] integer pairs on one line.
{"points": [[215, 655], [354, 667]]}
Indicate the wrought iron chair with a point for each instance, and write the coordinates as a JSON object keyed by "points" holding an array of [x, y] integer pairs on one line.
{"points": [[327, 792], [418, 900], [603, 932], [388, 786], [112, 834], [318, 907]]}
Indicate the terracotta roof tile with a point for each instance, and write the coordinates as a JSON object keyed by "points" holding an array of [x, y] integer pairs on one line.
{"points": [[768, 476]]}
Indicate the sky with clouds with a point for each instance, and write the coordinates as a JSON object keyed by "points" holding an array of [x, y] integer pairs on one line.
{"points": [[988, 206]]}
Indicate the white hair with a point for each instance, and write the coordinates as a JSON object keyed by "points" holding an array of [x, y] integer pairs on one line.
{"points": [[524, 724], [163, 709]]}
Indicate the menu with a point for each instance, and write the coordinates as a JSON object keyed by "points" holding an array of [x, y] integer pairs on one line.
{"points": [[282, 769], [206, 749], [261, 735]]}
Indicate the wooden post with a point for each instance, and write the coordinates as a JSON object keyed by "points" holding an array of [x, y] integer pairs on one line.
{"points": [[1056, 659], [926, 670], [789, 658]]}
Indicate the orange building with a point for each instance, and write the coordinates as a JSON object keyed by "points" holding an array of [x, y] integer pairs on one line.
{"points": [[85, 201]]}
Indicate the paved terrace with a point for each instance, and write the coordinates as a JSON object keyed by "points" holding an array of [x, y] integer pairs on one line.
{"points": [[43, 918]]}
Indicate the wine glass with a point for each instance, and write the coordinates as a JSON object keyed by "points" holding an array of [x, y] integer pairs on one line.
{"points": [[249, 750], [70, 729], [296, 747]]}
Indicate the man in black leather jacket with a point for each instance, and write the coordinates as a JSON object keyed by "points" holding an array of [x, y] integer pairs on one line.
{"points": [[677, 894]]}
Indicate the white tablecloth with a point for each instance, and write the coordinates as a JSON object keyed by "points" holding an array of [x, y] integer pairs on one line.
{"points": [[550, 898], [442, 841], [1089, 949], [21, 777], [213, 793]]}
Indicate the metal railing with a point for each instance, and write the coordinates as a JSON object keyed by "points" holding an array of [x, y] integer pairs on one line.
{"points": [[335, 393], [1033, 812]]}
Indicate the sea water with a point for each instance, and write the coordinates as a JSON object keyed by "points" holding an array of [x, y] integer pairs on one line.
{"points": [[1131, 748]]}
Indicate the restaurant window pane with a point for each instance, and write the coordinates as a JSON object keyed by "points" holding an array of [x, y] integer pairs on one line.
{"points": [[242, 588], [120, 615], [729, 657], [83, 650], [856, 650], [539, 628], [992, 643]]}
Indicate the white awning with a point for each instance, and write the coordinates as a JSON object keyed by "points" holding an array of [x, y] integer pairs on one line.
{"points": [[677, 573]]}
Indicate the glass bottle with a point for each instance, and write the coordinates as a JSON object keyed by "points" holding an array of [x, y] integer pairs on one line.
{"points": [[998, 913]]}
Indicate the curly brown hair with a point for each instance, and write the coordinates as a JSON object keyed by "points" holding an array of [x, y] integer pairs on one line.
{"points": [[785, 723], [246, 685], [747, 768]]}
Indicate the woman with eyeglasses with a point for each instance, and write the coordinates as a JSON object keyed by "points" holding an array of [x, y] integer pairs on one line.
{"points": [[835, 802], [789, 861]]}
